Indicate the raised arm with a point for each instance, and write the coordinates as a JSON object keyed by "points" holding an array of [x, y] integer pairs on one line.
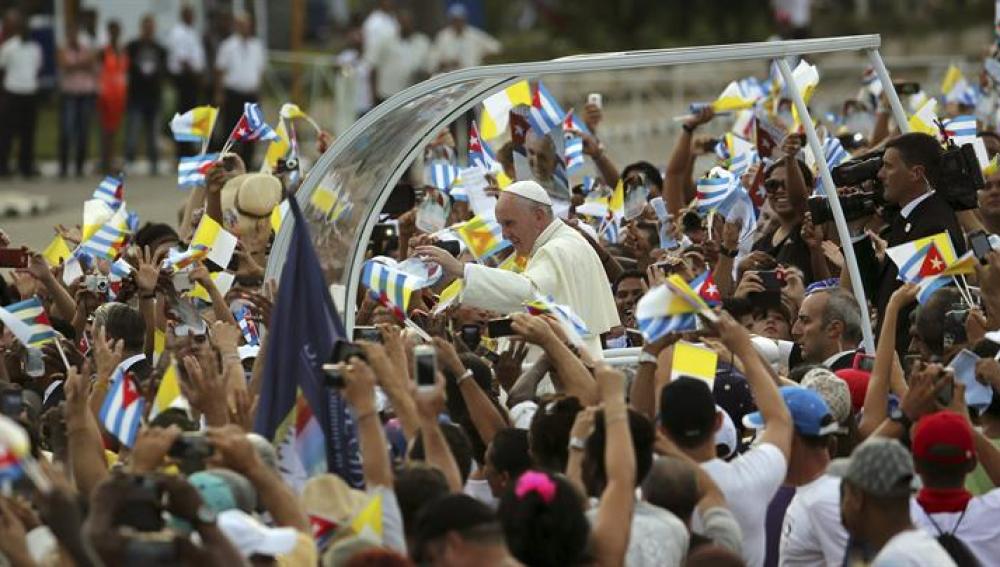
{"points": [[571, 376], [359, 391], [430, 404], [795, 183], [612, 528], [484, 415], [876, 406], [679, 164]]}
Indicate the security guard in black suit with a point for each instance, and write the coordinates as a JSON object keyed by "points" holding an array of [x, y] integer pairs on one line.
{"points": [[910, 166]]}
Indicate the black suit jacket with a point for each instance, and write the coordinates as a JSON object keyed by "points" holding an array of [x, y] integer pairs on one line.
{"points": [[931, 216]]}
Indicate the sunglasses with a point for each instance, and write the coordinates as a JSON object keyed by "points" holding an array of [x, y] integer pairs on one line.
{"points": [[772, 185]]}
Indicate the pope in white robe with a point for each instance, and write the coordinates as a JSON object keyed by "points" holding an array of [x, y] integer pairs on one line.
{"points": [[561, 264]]}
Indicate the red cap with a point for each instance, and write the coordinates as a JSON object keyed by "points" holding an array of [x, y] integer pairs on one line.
{"points": [[943, 437], [857, 385]]}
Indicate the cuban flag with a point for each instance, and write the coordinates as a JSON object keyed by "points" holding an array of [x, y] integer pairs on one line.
{"points": [[252, 126], [834, 154], [441, 175], [191, 170], [121, 413], [545, 113], [704, 286], [389, 286], [109, 238], [656, 327], [247, 326], [961, 129], [609, 230], [31, 312], [111, 190], [714, 193], [571, 123], [480, 152], [573, 153]]}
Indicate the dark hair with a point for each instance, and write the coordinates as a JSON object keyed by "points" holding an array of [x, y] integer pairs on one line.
{"points": [[151, 233], [672, 484], [509, 451], [122, 322], [454, 513], [627, 274], [807, 175], [941, 475], [174, 416], [917, 148], [931, 315], [416, 484], [799, 372], [643, 437], [548, 436], [649, 170], [738, 307], [543, 534], [458, 443]]}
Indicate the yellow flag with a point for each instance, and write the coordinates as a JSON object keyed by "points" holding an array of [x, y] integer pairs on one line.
{"points": [[617, 203], [279, 148], [924, 119], [514, 263], [483, 237], [694, 361], [448, 296], [496, 109], [220, 242], [502, 180], [167, 393], [951, 78], [56, 252], [223, 282], [962, 266], [368, 522], [159, 344], [731, 99]]}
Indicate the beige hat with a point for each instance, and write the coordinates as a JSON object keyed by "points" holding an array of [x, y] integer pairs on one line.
{"points": [[530, 190], [832, 389], [250, 197], [328, 496]]}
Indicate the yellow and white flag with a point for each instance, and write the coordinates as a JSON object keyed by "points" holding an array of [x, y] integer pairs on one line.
{"points": [[497, 107]]}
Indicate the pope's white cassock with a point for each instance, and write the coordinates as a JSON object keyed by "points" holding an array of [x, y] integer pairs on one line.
{"points": [[562, 264]]}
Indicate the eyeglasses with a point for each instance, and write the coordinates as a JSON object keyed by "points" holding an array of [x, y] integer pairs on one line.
{"points": [[772, 185]]}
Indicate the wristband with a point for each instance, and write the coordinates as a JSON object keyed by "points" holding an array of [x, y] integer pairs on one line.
{"points": [[727, 252], [577, 444], [465, 376], [687, 128], [147, 296], [646, 357]]}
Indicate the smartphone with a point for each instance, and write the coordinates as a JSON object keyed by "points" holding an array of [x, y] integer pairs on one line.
{"points": [[424, 366], [496, 328], [11, 402], [596, 99], [191, 445], [370, 334], [452, 247], [332, 378], [344, 351], [980, 245], [907, 88], [660, 207], [471, 336], [945, 395], [771, 280], [13, 258], [864, 362], [34, 362]]}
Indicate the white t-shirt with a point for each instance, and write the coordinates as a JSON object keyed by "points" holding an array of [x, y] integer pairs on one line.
{"points": [[397, 61], [979, 530], [20, 61], [748, 482], [912, 548], [376, 27], [465, 50], [241, 61], [479, 488], [812, 533], [184, 46], [658, 538]]}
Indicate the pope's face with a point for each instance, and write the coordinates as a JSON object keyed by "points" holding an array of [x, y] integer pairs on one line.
{"points": [[541, 157], [520, 222]]}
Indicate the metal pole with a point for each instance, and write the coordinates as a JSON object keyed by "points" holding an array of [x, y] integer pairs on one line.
{"points": [[831, 197], [890, 93]]}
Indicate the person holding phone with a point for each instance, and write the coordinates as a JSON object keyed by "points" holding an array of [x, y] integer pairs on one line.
{"points": [[560, 264]]}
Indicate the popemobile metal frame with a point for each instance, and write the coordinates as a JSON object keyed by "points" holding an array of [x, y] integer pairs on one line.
{"points": [[366, 161]]}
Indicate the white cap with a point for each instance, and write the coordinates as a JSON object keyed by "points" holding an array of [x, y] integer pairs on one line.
{"points": [[251, 537], [726, 435], [530, 190]]}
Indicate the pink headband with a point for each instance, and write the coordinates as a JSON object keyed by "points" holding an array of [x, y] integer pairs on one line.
{"points": [[536, 482]]}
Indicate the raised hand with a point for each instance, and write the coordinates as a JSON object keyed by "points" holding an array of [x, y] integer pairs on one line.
{"points": [[147, 272]]}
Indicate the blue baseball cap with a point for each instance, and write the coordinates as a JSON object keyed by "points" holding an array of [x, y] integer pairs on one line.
{"points": [[810, 414]]}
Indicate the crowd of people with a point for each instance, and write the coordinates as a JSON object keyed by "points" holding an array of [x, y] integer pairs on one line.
{"points": [[124, 79], [554, 360]]}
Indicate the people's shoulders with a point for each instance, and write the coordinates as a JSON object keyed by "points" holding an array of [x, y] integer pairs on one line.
{"points": [[912, 547], [763, 466]]}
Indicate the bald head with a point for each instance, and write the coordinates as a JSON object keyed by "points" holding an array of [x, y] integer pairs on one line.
{"points": [[672, 484]]}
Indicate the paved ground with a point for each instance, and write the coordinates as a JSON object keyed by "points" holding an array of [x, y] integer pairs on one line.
{"points": [[154, 198]]}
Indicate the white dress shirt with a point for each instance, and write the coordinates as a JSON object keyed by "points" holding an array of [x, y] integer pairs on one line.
{"points": [[184, 46], [20, 61], [241, 61]]}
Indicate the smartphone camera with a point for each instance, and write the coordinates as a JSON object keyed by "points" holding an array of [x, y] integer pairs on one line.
{"points": [[96, 283], [424, 366], [471, 336], [497, 328], [11, 402], [191, 446], [368, 334], [344, 351]]}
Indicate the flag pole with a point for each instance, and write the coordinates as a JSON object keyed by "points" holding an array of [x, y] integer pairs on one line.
{"points": [[62, 354]]}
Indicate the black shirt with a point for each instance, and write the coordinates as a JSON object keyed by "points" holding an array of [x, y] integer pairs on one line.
{"points": [[790, 251], [147, 64]]}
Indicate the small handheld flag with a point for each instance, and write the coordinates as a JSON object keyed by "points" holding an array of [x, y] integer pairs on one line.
{"points": [[194, 125], [111, 190], [191, 170], [694, 361], [37, 329], [251, 126], [545, 113], [483, 237], [121, 413]]}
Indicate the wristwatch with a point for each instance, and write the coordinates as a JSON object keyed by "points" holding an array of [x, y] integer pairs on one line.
{"points": [[577, 444], [205, 516], [897, 415], [647, 357], [465, 376]]}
